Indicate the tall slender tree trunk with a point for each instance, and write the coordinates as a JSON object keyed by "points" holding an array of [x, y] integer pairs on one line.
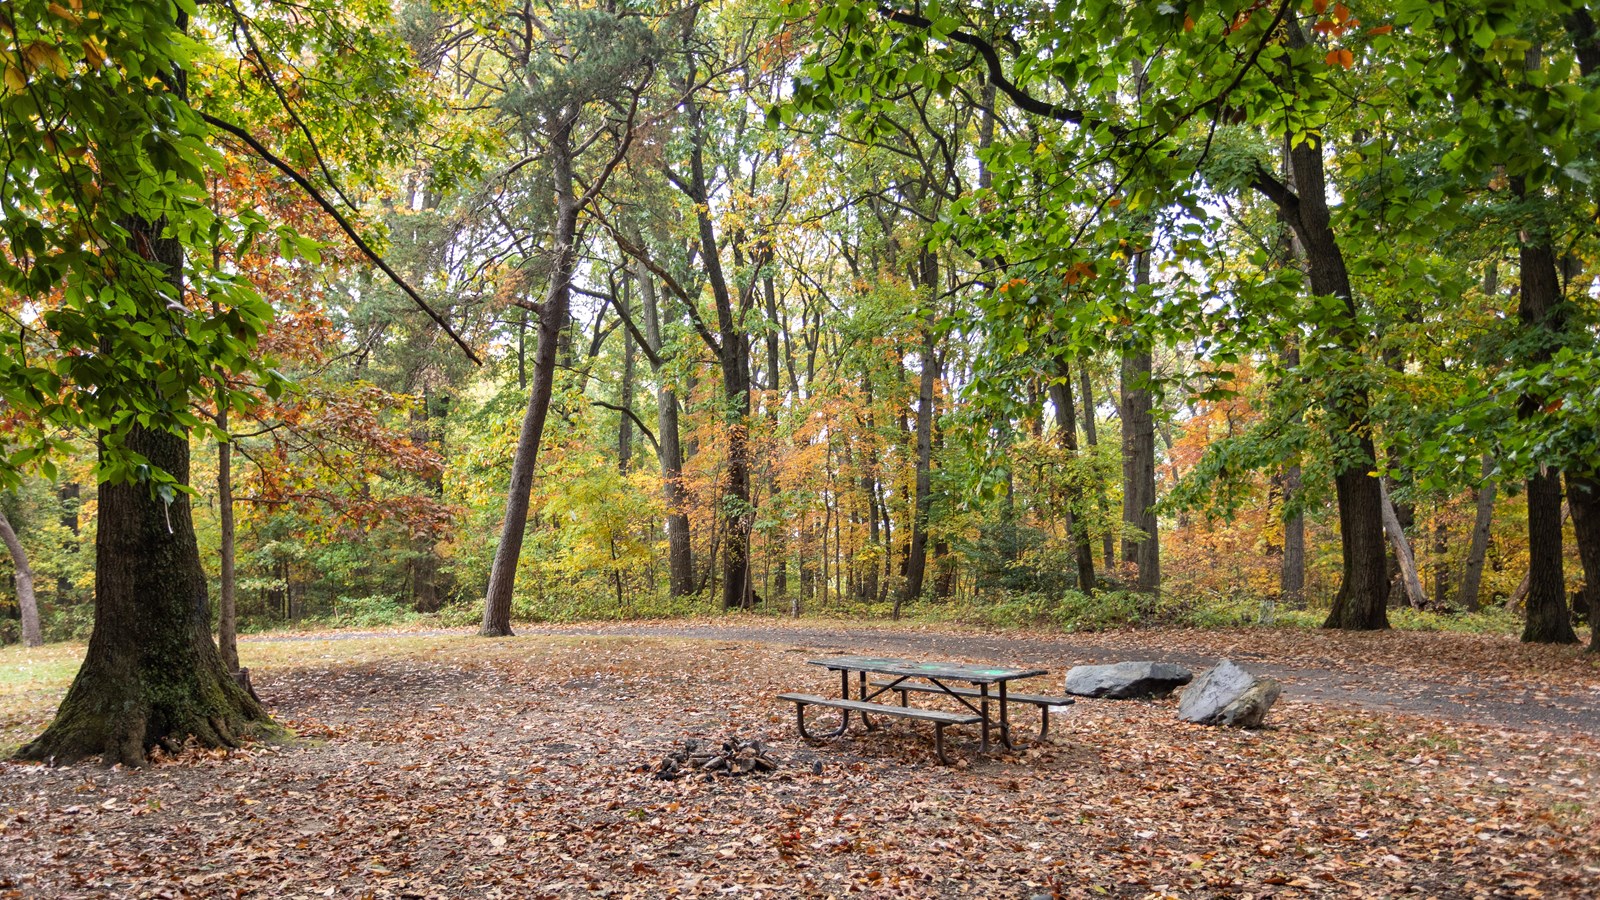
{"points": [[1067, 434], [1091, 431], [227, 582], [625, 400], [32, 636], [917, 554], [1478, 548], [680, 553], [1292, 573], [1139, 455], [779, 562], [553, 314]]}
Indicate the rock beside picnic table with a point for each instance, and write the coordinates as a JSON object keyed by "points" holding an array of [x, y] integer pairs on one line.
{"points": [[1127, 680], [1228, 695]]}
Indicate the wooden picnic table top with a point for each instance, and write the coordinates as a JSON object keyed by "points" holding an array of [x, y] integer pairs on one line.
{"points": [[911, 668]]}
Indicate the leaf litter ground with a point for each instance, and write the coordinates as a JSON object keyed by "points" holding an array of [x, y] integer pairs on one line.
{"points": [[450, 766]]}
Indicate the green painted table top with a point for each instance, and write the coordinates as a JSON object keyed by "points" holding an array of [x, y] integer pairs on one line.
{"points": [[953, 671]]}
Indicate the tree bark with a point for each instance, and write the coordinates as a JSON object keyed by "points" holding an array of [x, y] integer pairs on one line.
{"points": [[680, 554], [227, 606], [1139, 455], [1478, 549], [1108, 540], [1583, 498], [1549, 621], [1402, 551], [1364, 586], [1067, 434], [553, 315], [1540, 311], [27, 604], [152, 675], [917, 553], [625, 400], [1292, 575]]}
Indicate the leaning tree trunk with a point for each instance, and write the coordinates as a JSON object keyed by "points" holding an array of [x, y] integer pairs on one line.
{"points": [[26, 602], [1402, 551], [552, 323]]}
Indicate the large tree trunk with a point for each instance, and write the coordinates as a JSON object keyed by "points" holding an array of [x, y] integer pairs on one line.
{"points": [[1549, 621], [917, 554], [1364, 587], [152, 675], [26, 603], [552, 324], [1539, 310], [1478, 548], [1139, 456]]}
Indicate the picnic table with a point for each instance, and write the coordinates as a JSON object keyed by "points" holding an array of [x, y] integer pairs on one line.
{"points": [[986, 685]]}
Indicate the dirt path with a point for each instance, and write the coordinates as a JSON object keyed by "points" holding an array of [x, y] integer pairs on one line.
{"points": [[1419, 683]]}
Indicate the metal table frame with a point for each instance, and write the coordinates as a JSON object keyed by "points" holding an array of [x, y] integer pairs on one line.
{"points": [[935, 673]]}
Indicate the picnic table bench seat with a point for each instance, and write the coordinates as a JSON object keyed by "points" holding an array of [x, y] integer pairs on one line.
{"points": [[1044, 702], [939, 718]]}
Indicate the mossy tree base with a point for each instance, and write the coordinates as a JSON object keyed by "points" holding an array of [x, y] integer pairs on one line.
{"points": [[153, 675]]}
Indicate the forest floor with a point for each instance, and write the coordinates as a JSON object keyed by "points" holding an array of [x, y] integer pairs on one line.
{"points": [[444, 765]]}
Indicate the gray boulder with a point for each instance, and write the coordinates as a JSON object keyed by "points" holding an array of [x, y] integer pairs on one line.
{"points": [[1127, 680], [1228, 695]]}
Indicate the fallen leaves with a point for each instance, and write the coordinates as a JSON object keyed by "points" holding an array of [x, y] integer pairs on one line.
{"points": [[468, 769]]}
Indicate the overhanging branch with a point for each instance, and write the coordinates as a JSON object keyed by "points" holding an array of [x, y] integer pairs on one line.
{"points": [[344, 225]]}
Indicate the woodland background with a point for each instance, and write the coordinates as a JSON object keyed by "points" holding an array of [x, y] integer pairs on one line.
{"points": [[834, 294]]}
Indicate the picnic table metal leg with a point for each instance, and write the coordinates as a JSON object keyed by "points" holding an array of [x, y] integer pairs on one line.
{"points": [[983, 702], [1005, 719], [863, 696], [1044, 720], [938, 744], [800, 721]]}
